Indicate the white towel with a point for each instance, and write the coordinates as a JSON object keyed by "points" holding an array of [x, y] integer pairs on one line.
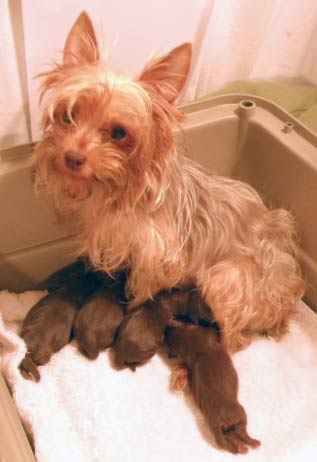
{"points": [[85, 411]]}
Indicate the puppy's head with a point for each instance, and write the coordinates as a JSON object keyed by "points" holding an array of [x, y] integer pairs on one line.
{"points": [[103, 130], [138, 339]]}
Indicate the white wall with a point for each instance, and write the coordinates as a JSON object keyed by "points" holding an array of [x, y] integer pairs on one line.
{"points": [[13, 123]]}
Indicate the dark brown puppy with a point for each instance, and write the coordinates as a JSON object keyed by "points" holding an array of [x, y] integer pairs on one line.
{"points": [[213, 383], [141, 333], [65, 275], [97, 321], [75, 277], [48, 326], [185, 304], [139, 337], [46, 329]]}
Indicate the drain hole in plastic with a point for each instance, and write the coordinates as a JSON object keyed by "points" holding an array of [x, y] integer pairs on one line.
{"points": [[247, 104], [288, 127]]}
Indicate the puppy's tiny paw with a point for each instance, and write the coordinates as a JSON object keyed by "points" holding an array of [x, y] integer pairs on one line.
{"points": [[237, 438], [29, 369]]}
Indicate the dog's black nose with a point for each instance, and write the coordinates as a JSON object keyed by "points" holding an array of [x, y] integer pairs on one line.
{"points": [[74, 160]]}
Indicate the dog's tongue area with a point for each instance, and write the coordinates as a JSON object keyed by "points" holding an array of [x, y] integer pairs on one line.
{"points": [[86, 411]]}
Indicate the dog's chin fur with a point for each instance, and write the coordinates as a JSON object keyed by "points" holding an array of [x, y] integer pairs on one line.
{"points": [[139, 203]]}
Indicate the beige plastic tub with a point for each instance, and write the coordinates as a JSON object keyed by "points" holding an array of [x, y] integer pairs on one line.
{"points": [[235, 135]]}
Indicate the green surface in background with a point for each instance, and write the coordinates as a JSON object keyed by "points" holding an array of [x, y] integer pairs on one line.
{"points": [[299, 100]]}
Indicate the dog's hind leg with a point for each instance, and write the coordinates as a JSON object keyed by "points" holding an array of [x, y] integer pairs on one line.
{"points": [[248, 299]]}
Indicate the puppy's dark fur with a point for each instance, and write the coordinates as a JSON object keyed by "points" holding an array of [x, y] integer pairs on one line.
{"points": [[79, 278], [141, 333], [97, 322], [48, 326], [213, 383], [46, 329], [186, 305]]}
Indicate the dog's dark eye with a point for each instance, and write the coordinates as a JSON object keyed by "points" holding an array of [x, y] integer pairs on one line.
{"points": [[68, 120], [118, 133]]}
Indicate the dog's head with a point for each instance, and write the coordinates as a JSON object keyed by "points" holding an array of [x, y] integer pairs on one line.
{"points": [[105, 130]]}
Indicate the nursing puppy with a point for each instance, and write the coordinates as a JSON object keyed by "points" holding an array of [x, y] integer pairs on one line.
{"points": [[47, 328], [76, 277], [140, 336], [141, 333], [98, 320], [212, 382]]}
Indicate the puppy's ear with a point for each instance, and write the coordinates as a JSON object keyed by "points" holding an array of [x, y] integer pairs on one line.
{"points": [[169, 74], [81, 45]]}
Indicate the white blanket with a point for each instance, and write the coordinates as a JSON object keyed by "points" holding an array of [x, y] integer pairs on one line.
{"points": [[85, 411]]}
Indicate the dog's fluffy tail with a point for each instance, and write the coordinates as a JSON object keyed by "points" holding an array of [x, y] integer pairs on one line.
{"points": [[281, 282]]}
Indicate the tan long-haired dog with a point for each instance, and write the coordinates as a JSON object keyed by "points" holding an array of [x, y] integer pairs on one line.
{"points": [[108, 160]]}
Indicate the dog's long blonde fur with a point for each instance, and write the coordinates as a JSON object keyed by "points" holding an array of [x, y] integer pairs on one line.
{"points": [[137, 202]]}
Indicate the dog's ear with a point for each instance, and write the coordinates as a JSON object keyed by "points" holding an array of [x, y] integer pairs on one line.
{"points": [[169, 74], [81, 45]]}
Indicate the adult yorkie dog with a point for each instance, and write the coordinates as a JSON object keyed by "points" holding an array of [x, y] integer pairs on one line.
{"points": [[108, 160]]}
